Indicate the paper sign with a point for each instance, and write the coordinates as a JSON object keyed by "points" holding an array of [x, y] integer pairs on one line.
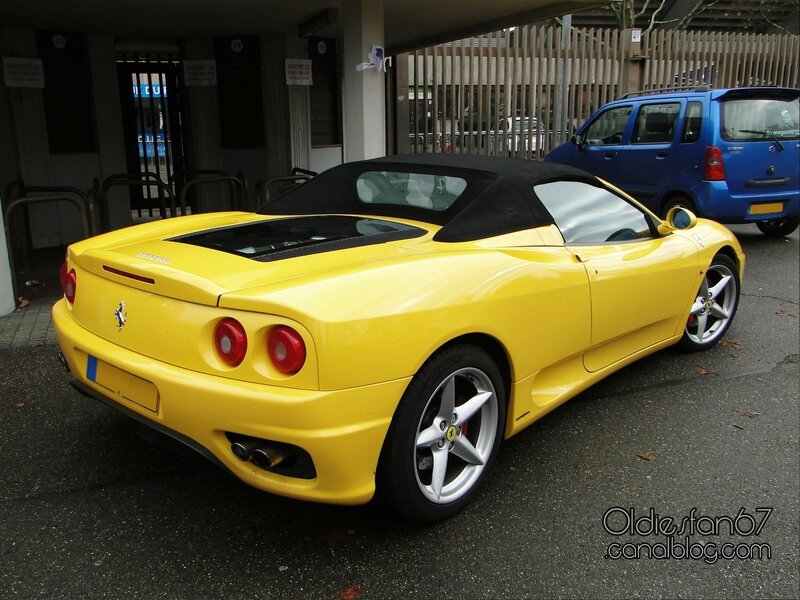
{"points": [[23, 72], [377, 60], [298, 71], [200, 72], [636, 36]]}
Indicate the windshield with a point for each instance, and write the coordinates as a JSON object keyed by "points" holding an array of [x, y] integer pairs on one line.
{"points": [[760, 119]]}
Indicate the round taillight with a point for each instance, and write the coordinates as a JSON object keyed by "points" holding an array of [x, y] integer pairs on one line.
{"points": [[69, 282], [286, 349], [230, 341]]}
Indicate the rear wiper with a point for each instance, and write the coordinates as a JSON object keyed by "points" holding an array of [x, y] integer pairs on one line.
{"points": [[765, 134]]}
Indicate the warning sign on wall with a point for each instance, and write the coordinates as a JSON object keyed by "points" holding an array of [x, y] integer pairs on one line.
{"points": [[298, 71], [23, 72], [200, 72]]}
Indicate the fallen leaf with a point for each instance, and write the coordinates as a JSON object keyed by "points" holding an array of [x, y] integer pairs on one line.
{"points": [[703, 371], [22, 301], [782, 313], [731, 344], [354, 591], [19, 404], [749, 414], [645, 456]]}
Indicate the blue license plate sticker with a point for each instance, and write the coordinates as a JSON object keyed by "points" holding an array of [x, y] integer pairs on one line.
{"points": [[91, 368]]}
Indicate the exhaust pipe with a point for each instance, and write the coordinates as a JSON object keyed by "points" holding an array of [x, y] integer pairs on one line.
{"points": [[243, 448], [267, 457], [63, 360]]}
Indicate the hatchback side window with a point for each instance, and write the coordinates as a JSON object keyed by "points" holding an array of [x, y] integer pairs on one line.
{"points": [[608, 127], [692, 122], [655, 123], [588, 214]]}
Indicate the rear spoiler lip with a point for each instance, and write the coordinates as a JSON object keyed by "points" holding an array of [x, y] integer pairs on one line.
{"points": [[758, 92]]}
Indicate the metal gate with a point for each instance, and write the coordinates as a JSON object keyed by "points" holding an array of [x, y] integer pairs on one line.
{"points": [[522, 91], [150, 93]]}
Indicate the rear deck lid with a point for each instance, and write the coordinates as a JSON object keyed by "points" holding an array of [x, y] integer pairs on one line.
{"points": [[201, 266]]}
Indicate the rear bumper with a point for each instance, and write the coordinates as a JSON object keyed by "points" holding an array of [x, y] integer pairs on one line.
{"points": [[342, 430], [715, 201]]}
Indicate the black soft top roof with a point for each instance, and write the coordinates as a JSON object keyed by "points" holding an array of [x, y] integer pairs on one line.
{"points": [[498, 198]]}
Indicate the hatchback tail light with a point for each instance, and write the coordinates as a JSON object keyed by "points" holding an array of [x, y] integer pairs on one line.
{"points": [[714, 169], [69, 282], [286, 349], [230, 340]]}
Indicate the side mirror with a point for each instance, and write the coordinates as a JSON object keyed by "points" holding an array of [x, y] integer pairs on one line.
{"points": [[678, 217], [578, 140]]}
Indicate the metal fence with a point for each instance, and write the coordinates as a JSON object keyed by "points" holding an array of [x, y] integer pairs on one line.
{"points": [[522, 91]]}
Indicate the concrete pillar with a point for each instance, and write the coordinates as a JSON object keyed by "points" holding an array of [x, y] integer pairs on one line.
{"points": [[364, 91], [402, 105], [299, 108], [7, 303], [9, 171], [9, 163], [277, 130], [33, 148], [108, 123], [202, 133], [633, 63]]}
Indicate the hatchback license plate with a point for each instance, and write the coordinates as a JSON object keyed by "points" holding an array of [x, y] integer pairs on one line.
{"points": [[766, 209]]}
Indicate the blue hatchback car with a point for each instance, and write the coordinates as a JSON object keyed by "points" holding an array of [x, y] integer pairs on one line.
{"points": [[732, 155]]}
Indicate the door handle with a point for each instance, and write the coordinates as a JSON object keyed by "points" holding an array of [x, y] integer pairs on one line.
{"points": [[609, 155], [661, 154]]}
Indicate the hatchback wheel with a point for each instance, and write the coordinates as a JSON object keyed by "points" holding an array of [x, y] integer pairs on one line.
{"points": [[779, 227], [681, 201], [444, 436], [714, 307]]}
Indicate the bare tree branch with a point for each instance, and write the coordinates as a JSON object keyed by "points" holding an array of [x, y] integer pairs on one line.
{"points": [[776, 25], [654, 15], [644, 10], [697, 10]]}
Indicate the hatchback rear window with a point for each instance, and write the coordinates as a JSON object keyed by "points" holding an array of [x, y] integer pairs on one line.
{"points": [[760, 119]]}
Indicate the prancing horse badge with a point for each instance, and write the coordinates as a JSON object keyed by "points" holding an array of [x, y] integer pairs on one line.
{"points": [[122, 315]]}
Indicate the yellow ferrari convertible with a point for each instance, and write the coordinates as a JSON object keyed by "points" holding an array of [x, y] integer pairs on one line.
{"points": [[385, 325]]}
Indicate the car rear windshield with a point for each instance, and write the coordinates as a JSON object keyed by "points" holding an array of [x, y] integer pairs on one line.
{"points": [[760, 119], [435, 192], [275, 239]]}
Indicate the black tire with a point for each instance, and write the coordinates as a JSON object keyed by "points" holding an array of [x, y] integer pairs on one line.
{"points": [[414, 444], [779, 227], [709, 316], [681, 201]]}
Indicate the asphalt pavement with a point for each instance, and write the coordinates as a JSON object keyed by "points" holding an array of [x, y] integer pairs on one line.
{"points": [[708, 440]]}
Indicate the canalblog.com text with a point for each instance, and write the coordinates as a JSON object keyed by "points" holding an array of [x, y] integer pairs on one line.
{"points": [[688, 537]]}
